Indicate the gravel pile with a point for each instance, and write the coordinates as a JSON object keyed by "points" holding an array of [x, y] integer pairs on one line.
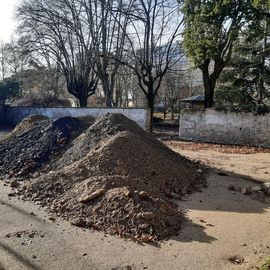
{"points": [[117, 178], [34, 141]]}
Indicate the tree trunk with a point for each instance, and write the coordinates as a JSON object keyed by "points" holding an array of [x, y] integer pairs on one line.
{"points": [[261, 91], [172, 113], [150, 99], [151, 119], [83, 102], [2, 111], [208, 89], [108, 98], [107, 91], [209, 81], [164, 115], [262, 69]]}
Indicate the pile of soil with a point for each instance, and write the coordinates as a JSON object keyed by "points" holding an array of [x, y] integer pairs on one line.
{"points": [[117, 178], [34, 141]]}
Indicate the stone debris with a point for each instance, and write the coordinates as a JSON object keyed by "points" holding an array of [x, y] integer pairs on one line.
{"points": [[266, 186], [231, 187], [14, 184], [256, 188], [244, 190], [257, 191], [237, 260], [104, 174], [148, 216], [88, 197]]}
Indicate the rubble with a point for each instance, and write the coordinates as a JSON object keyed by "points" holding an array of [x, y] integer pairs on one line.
{"points": [[266, 186], [258, 191], [256, 188], [14, 184], [88, 197]]}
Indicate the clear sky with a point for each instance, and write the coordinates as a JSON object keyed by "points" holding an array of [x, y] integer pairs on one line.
{"points": [[7, 18]]}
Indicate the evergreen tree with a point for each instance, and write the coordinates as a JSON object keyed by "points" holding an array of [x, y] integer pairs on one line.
{"points": [[246, 82], [9, 89], [211, 28]]}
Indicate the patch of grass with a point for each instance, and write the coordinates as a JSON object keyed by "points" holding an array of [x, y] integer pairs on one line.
{"points": [[266, 265]]}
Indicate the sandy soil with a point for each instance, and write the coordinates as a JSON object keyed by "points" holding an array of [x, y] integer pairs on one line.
{"points": [[221, 224]]}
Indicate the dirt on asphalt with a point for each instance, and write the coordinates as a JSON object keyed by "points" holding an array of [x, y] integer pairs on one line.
{"points": [[223, 229]]}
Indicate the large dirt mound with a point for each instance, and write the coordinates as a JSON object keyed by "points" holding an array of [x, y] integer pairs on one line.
{"points": [[34, 141], [117, 178], [114, 177]]}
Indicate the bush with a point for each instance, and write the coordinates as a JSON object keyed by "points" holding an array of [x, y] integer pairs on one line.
{"points": [[9, 88], [258, 109]]}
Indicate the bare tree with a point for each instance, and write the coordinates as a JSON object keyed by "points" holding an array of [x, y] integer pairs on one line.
{"points": [[170, 92], [62, 30], [151, 48], [3, 64], [14, 58], [108, 25], [126, 88], [45, 73]]}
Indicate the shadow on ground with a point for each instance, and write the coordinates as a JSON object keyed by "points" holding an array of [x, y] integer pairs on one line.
{"points": [[22, 211], [19, 258], [217, 197]]}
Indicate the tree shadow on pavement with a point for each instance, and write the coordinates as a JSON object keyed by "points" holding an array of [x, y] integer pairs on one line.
{"points": [[19, 258], [21, 211], [218, 197], [2, 267], [192, 232]]}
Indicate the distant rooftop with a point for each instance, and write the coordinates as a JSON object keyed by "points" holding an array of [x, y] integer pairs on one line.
{"points": [[197, 98]]}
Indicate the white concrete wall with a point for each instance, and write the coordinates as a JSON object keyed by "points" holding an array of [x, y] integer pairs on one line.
{"points": [[14, 115], [226, 128]]}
